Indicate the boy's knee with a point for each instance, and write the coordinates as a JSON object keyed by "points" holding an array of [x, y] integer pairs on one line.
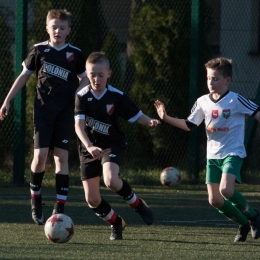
{"points": [[60, 159], [114, 184], [109, 184], [93, 202], [39, 158], [215, 202], [226, 193]]}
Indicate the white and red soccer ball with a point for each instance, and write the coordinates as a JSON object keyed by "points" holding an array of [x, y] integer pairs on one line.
{"points": [[170, 176], [59, 228]]}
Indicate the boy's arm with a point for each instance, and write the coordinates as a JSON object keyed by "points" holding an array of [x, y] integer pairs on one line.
{"points": [[95, 151], [146, 120], [180, 123], [82, 83], [257, 116], [177, 122], [17, 86]]}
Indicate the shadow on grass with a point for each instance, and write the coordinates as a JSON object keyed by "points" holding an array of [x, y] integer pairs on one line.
{"points": [[171, 207]]}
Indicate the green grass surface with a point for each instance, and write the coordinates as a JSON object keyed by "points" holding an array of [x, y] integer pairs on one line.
{"points": [[186, 227]]}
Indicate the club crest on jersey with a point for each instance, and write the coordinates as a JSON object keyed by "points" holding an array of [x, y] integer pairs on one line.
{"points": [[70, 56], [226, 113], [215, 113], [110, 109]]}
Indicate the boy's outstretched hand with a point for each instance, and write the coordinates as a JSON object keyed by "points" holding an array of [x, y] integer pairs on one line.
{"points": [[154, 122], [4, 111], [160, 109]]}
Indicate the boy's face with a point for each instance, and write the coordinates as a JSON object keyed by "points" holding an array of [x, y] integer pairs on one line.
{"points": [[217, 84], [98, 75], [58, 31]]}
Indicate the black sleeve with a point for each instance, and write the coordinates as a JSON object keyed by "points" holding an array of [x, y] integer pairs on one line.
{"points": [[30, 61], [258, 109], [80, 66], [79, 108], [190, 125], [128, 108]]}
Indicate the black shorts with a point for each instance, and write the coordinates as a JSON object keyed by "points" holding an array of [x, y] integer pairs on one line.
{"points": [[91, 168], [52, 128]]}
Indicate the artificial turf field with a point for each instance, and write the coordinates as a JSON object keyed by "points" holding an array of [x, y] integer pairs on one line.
{"points": [[186, 227]]}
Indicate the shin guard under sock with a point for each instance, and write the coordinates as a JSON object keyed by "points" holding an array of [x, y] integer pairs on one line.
{"points": [[62, 188], [105, 212], [240, 202], [231, 212], [128, 194], [35, 187]]}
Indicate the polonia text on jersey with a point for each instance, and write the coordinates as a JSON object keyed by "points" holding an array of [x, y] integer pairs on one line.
{"points": [[55, 70], [97, 126]]}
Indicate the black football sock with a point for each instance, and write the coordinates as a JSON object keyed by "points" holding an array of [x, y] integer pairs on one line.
{"points": [[105, 212], [35, 187], [128, 194], [62, 188]]}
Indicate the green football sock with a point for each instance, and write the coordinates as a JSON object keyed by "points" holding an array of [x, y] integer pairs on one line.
{"points": [[239, 201], [231, 212]]}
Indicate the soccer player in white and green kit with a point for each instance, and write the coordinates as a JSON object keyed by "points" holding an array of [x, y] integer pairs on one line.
{"points": [[223, 112]]}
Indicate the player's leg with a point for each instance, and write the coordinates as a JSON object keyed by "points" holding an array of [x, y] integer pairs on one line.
{"points": [[240, 202], [231, 175], [226, 208], [235, 197], [60, 141], [36, 177], [61, 179], [215, 186], [227, 189], [123, 189], [90, 175], [43, 128]]}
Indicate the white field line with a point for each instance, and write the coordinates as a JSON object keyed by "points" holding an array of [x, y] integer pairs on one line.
{"points": [[81, 195], [204, 221]]}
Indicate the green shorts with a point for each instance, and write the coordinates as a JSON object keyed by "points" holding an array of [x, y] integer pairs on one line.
{"points": [[215, 168]]}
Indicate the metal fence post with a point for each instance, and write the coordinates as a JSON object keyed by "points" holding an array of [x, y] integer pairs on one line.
{"points": [[250, 131], [19, 100], [194, 84]]}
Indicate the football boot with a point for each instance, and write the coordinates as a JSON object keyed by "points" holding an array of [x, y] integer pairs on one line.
{"points": [[116, 230], [145, 212]]}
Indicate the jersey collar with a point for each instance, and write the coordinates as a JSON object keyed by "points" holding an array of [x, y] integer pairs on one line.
{"points": [[56, 48], [100, 96], [215, 101]]}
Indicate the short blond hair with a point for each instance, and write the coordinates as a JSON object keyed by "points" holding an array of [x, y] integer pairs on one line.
{"points": [[222, 65], [98, 57], [61, 14]]}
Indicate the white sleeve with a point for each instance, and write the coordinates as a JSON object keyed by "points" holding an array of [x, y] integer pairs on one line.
{"points": [[29, 72], [197, 114], [247, 106]]}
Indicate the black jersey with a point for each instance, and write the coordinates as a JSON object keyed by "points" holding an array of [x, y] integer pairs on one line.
{"points": [[102, 113], [56, 70]]}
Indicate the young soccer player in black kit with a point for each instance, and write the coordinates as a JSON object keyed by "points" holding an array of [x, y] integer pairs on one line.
{"points": [[59, 66], [102, 143]]}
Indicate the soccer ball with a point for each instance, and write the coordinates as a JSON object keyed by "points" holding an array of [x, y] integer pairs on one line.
{"points": [[170, 176], [59, 228]]}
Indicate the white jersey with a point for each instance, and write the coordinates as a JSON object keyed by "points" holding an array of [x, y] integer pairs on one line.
{"points": [[225, 123]]}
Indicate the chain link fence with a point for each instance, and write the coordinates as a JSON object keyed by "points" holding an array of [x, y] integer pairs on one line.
{"points": [[151, 46]]}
